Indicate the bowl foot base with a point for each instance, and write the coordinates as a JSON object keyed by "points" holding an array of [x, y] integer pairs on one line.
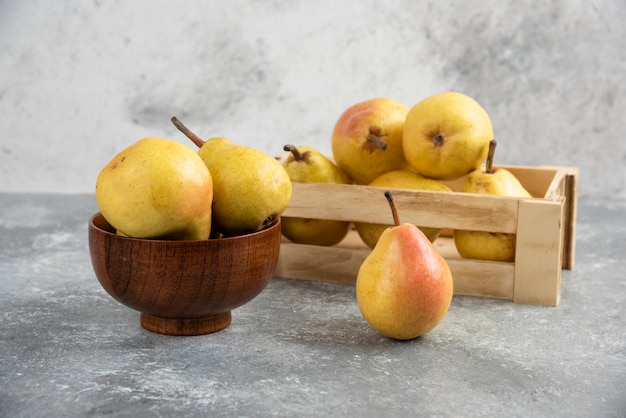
{"points": [[186, 326]]}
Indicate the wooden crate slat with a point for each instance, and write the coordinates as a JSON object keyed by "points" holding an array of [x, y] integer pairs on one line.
{"points": [[482, 278], [424, 208], [565, 184], [538, 252], [329, 264], [570, 186], [340, 264]]}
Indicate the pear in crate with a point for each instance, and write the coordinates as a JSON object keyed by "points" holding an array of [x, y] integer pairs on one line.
{"points": [[367, 139], [401, 179], [251, 189], [307, 165], [446, 136], [489, 180], [156, 188], [404, 286]]}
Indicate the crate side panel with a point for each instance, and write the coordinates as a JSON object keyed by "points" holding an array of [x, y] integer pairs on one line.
{"points": [[534, 278]]}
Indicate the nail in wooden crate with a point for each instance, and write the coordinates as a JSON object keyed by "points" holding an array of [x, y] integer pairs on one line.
{"points": [[545, 228]]}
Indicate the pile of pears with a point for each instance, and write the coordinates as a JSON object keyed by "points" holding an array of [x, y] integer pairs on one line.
{"points": [[382, 142], [404, 287], [158, 188]]}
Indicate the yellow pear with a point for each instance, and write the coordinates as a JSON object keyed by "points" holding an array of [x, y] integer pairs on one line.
{"points": [[307, 165], [446, 136], [404, 286], [251, 189], [156, 188], [367, 139], [490, 180], [402, 179]]}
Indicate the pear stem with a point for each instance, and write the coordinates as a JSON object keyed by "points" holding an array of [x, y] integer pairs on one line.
{"points": [[492, 151], [394, 208], [294, 151], [374, 139], [194, 138]]}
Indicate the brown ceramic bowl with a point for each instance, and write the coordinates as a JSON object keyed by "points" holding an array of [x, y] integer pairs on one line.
{"points": [[183, 287]]}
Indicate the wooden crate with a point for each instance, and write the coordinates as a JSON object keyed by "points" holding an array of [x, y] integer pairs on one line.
{"points": [[544, 224]]}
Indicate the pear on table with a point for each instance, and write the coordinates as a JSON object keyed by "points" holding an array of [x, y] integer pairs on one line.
{"points": [[308, 165], [404, 286], [251, 189], [482, 245], [156, 188]]}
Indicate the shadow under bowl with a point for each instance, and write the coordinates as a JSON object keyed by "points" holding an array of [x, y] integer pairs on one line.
{"points": [[183, 287]]}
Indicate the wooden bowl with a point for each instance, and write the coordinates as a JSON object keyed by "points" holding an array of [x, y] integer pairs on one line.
{"points": [[183, 287]]}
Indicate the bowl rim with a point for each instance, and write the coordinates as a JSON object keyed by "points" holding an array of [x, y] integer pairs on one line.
{"points": [[93, 226]]}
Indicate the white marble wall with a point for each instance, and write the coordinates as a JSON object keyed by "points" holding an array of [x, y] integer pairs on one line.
{"points": [[80, 80]]}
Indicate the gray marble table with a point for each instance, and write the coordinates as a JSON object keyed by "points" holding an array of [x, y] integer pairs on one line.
{"points": [[301, 348]]}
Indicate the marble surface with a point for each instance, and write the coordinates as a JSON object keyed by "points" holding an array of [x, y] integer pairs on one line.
{"points": [[83, 80], [300, 348]]}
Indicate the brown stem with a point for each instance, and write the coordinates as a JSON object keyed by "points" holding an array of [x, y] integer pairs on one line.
{"points": [[394, 208], [194, 138], [492, 151], [294, 151], [377, 142], [374, 139]]}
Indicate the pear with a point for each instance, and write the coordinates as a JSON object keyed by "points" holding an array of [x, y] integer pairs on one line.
{"points": [[446, 136], [251, 189], [307, 165], [405, 179], [404, 286], [156, 188], [367, 139], [494, 181]]}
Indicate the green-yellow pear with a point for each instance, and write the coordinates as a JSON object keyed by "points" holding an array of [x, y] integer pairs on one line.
{"points": [[157, 188], [446, 136], [367, 139], [404, 286], [491, 180], [403, 179], [307, 165], [250, 188]]}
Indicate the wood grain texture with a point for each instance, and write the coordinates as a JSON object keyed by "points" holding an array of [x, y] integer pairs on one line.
{"points": [[538, 257], [341, 264], [183, 287], [426, 208]]}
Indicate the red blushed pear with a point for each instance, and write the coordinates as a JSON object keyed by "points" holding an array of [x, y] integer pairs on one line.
{"points": [[404, 286], [367, 139]]}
